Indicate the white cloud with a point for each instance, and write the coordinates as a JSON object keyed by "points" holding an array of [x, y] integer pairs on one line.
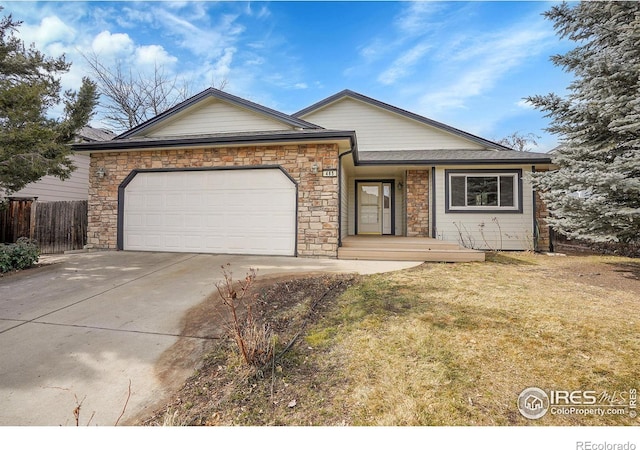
{"points": [[410, 37], [262, 12], [209, 41], [154, 55], [219, 72], [132, 18], [411, 23], [374, 50], [416, 19], [476, 68], [255, 60], [403, 65], [107, 44], [51, 29]]}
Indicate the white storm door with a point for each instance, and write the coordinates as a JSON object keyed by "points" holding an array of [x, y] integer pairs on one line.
{"points": [[386, 208], [241, 211], [369, 208]]}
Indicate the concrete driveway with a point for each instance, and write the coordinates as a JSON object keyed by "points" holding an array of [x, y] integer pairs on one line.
{"points": [[82, 329]]}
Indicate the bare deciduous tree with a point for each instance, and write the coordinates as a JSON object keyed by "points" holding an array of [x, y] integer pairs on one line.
{"points": [[130, 97], [519, 141]]}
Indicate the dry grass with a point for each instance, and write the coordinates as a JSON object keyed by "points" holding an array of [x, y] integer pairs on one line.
{"points": [[455, 344], [441, 344]]}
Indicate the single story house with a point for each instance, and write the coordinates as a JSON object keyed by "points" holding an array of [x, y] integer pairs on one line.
{"points": [[221, 174]]}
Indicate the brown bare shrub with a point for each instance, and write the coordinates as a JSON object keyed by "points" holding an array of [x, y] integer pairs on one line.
{"points": [[255, 340]]}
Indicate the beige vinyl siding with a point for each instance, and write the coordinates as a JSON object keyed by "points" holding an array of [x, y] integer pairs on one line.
{"points": [[399, 206], [351, 220], [378, 129], [51, 189], [214, 116], [344, 205], [487, 231]]}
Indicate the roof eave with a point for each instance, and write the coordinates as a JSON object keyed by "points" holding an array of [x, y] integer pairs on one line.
{"points": [[451, 162], [234, 140]]}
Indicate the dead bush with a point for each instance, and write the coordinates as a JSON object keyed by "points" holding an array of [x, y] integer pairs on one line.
{"points": [[255, 340]]}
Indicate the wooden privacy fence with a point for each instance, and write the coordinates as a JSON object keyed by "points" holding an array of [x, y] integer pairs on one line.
{"points": [[55, 226]]}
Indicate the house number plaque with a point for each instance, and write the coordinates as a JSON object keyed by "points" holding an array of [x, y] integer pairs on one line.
{"points": [[329, 173]]}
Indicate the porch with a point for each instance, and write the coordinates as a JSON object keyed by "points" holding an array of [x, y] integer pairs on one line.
{"points": [[402, 248]]}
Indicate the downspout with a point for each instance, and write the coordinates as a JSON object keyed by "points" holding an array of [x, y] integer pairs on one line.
{"points": [[433, 203], [340, 196]]}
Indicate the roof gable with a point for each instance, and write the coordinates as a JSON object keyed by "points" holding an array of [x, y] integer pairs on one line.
{"points": [[384, 127], [215, 111]]}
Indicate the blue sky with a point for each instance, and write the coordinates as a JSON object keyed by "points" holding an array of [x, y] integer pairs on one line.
{"points": [[467, 64]]}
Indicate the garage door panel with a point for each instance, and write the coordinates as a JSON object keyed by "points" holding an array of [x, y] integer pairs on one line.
{"points": [[174, 200], [242, 211], [172, 241], [193, 242], [152, 241], [153, 220], [135, 200], [156, 182], [196, 221], [136, 220], [135, 239], [176, 182], [213, 244], [193, 200], [211, 201], [152, 201]]}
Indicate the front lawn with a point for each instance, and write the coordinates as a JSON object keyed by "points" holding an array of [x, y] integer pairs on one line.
{"points": [[440, 344]]}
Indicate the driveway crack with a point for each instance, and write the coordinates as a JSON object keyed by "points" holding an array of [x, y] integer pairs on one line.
{"points": [[120, 330]]}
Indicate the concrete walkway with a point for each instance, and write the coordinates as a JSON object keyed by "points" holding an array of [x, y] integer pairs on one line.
{"points": [[79, 330]]}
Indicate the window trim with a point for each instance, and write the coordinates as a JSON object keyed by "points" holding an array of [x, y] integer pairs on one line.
{"points": [[517, 209]]}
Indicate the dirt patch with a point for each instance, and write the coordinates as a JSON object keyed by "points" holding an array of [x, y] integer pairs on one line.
{"points": [[210, 397], [593, 270]]}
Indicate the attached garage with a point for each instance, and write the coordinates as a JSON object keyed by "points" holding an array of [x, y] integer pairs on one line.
{"points": [[223, 210]]}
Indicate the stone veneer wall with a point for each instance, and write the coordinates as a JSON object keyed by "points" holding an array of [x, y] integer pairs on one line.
{"points": [[417, 192], [317, 195]]}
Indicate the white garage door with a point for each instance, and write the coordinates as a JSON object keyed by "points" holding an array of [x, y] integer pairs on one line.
{"points": [[243, 211]]}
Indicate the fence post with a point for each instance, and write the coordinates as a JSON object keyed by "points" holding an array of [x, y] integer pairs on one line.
{"points": [[32, 219]]}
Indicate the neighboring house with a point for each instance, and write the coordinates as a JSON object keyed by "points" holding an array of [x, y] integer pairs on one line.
{"points": [[76, 187], [220, 174]]}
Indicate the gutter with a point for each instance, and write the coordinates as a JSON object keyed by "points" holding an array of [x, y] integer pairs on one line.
{"points": [[350, 152], [253, 139], [451, 162]]}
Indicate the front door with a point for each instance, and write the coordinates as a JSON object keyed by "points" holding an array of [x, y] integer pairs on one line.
{"points": [[374, 208]]}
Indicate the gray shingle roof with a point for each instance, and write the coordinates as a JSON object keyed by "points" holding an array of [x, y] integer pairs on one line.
{"points": [[90, 134], [400, 157], [306, 131]]}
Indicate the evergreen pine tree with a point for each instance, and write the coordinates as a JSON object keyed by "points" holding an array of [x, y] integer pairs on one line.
{"points": [[32, 144], [595, 192]]}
